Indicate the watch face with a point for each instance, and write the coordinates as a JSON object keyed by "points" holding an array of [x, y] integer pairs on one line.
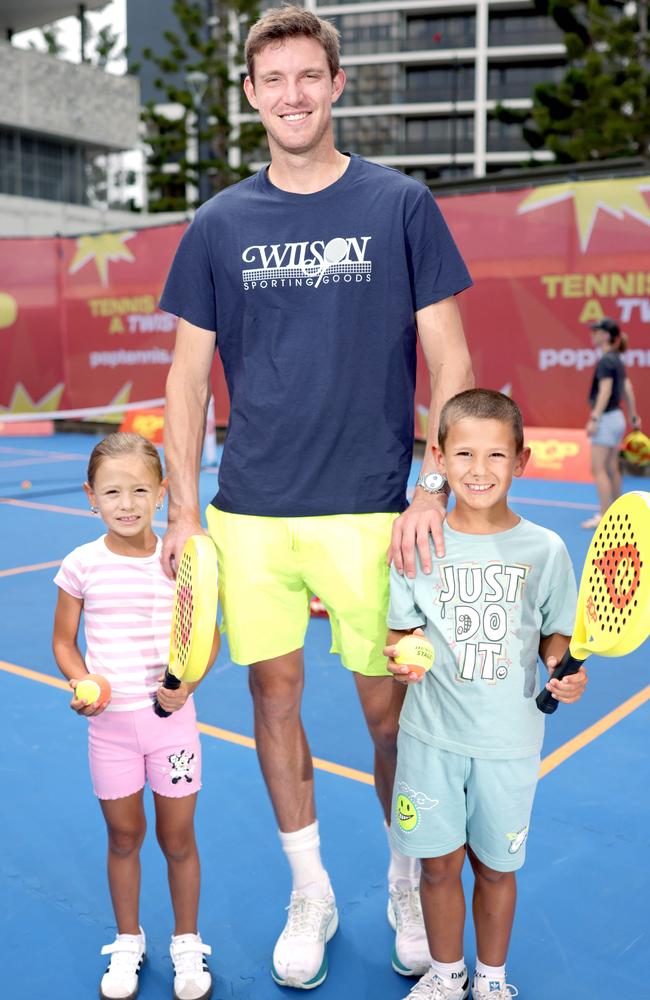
{"points": [[433, 481]]}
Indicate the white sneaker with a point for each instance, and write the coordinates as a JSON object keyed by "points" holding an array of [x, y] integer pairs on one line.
{"points": [[433, 987], [300, 953], [120, 981], [192, 979], [486, 989], [411, 950]]}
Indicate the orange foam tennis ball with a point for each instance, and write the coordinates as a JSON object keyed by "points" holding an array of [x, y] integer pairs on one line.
{"points": [[93, 689], [26, 484], [416, 652]]}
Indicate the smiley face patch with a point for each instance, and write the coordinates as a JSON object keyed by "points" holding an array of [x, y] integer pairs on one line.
{"points": [[409, 804]]}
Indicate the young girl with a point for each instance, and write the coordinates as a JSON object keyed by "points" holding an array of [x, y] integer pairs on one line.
{"points": [[118, 583]]}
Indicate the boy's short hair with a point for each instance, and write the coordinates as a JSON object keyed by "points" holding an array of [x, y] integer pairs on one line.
{"points": [[290, 21], [481, 404]]}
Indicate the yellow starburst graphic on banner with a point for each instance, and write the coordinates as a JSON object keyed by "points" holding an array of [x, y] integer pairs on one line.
{"points": [[22, 402], [102, 249], [121, 398], [618, 198]]}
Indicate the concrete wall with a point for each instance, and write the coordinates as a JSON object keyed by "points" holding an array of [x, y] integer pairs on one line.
{"points": [[34, 217], [40, 93]]}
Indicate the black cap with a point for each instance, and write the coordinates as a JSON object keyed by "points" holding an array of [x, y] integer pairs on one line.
{"points": [[610, 326]]}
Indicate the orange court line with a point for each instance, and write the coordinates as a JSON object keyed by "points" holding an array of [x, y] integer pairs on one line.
{"points": [[593, 732], [34, 675], [29, 569], [47, 506], [548, 764]]}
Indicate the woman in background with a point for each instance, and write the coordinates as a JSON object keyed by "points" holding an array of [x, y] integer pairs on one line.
{"points": [[606, 425]]}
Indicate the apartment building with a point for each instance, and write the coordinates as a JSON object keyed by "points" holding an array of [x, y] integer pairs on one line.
{"points": [[60, 124], [423, 75]]}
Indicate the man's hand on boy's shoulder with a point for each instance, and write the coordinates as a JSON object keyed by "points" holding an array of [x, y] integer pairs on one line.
{"points": [[571, 687], [411, 531]]}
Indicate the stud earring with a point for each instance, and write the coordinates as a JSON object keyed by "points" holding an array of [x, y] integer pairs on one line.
{"points": [[94, 510], [159, 505]]}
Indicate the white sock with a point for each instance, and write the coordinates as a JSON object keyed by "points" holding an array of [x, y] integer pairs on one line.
{"points": [[450, 971], [402, 870], [302, 849], [493, 973]]}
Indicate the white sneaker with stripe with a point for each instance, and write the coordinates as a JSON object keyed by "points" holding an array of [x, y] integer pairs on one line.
{"points": [[192, 979], [121, 979]]}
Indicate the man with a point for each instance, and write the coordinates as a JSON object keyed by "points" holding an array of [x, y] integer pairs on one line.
{"points": [[315, 277]]}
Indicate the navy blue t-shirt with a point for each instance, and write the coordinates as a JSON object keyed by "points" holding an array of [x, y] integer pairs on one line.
{"points": [[312, 299], [610, 365]]}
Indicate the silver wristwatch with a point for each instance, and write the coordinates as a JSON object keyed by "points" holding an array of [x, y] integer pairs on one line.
{"points": [[433, 482]]}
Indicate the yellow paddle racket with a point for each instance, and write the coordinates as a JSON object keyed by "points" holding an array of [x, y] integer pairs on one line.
{"points": [[194, 614], [613, 610]]}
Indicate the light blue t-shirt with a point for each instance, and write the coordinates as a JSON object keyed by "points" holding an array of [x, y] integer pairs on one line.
{"points": [[484, 607]]}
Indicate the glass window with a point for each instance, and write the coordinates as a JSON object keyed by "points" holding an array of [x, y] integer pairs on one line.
{"points": [[519, 80], [440, 135], [363, 34], [35, 167], [503, 137], [440, 83], [441, 31], [374, 84], [8, 162], [522, 27]]}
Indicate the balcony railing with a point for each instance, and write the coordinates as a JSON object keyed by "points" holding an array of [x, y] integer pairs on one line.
{"points": [[501, 36], [442, 40], [404, 147], [411, 95], [499, 91], [506, 143]]}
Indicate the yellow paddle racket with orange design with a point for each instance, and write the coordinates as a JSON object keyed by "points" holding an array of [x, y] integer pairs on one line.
{"points": [[194, 614], [613, 610]]}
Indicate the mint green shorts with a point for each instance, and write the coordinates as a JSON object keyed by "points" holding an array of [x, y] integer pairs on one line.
{"points": [[443, 800], [269, 567]]}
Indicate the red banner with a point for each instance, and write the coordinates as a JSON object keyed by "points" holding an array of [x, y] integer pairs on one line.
{"points": [[546, 262], [80, 325]]}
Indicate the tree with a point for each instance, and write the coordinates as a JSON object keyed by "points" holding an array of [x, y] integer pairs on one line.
{"points": [[51, 39], [102, 45], [200, 46], [601, 108]]}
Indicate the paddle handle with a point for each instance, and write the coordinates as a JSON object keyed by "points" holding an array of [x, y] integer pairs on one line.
{"points": [[172, 683], [568, 665]]}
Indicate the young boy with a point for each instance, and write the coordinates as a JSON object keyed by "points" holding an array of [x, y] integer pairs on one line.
{"points": [[470, 731]]}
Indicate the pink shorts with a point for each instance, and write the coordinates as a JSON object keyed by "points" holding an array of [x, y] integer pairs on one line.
{"points": [[126, 749]]}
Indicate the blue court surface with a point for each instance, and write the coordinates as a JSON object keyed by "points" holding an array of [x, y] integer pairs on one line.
{"points": [[582, 929]]}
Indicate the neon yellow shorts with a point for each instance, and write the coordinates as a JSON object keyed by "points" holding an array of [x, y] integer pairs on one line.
{"points": [[270, 566]]}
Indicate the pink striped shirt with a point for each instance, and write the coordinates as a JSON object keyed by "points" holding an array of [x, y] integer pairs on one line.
{"points": [[127, 606]]}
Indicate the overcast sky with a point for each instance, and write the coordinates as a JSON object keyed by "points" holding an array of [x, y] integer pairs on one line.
{"points": [[114, 14]]}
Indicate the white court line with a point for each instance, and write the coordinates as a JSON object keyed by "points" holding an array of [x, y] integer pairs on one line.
{"points": [[56, 509], [535, 502], [85, 513], [569, 504], [53, 456], [50, 460]]}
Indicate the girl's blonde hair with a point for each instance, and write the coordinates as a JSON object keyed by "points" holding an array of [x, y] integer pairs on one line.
{"points": [[124, 443]]}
